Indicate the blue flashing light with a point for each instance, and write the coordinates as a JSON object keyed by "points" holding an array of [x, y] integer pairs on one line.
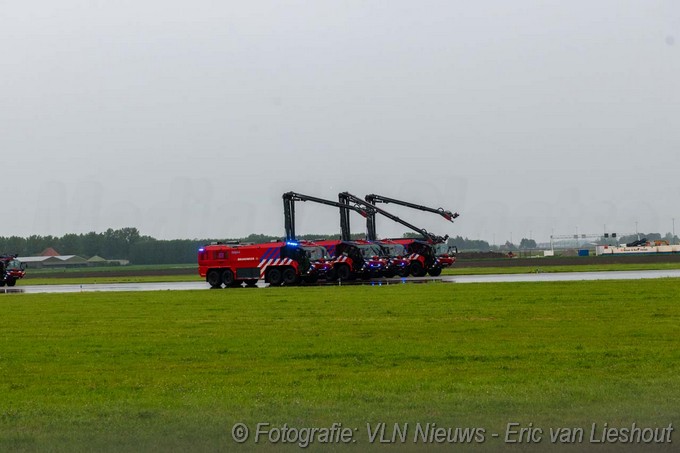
{"points": [[201, 249], [291, 243]]}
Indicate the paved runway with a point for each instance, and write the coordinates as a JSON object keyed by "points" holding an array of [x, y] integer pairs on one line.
{"points": [[494, 278], [564, 276]]}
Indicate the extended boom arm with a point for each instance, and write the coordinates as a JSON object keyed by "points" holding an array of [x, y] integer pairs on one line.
{"points": [[345, 199], [289, 199], [448, 215]]}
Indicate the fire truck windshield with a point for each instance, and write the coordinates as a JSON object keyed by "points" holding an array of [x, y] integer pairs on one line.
{"points": [[394, 249], [441, 249], [369, 250], [316, 252], [14, 265]]}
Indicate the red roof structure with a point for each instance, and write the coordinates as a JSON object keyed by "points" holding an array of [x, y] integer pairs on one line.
{"points": [[49, 251]]}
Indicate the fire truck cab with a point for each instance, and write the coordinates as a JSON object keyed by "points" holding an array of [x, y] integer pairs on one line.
{"points": [[353, 259], [395, 255], [422, 257]]}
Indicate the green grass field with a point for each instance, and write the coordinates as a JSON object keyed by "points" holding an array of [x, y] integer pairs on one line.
{"points": [[173, 371]]}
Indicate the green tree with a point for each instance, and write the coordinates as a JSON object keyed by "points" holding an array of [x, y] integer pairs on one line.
{"points": [[527, 244]]}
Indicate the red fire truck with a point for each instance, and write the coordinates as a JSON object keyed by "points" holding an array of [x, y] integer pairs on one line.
{"points": [[420, 254], [396, 256], [354, 259], [445, 255], [11, 270], [231, 264], [349, 259]]}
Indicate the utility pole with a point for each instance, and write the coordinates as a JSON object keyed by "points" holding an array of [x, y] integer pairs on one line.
{"points": [[673, 230], [552, 244], [578, 243]]}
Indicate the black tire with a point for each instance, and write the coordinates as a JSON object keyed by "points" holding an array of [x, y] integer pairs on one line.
{"points": [[404, 272], [389, 274], [344, 272], [290, 277], [275, 276], [331, 275], [228, 278], [435, 271], [310, 279], [2, 283], [11, 281], [214, 278], [417, 269], [251, 283]]}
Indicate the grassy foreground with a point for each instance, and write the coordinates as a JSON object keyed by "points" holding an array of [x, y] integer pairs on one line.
{"points": [[173, 371]]}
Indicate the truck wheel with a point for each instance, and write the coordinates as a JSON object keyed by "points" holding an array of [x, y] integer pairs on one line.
{"points": [[11, 281], [331, 275], [275, 276], [403, 272], [435, 271], [214, 279], [344, 272], [417, 269], [228, 278], [290, 277], [2, 283], [310, 279]]}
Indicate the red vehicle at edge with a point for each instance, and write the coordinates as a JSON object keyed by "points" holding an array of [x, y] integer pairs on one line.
{"points": [[11, 270]]}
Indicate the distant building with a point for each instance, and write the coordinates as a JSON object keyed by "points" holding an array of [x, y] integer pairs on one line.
{"points": [[49, 251], [97, 260], [51, 261]]}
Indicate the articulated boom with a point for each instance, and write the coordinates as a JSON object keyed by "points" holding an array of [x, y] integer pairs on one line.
{"points": [[289, 199], [448, 215], [346, 197], [351, 258]]}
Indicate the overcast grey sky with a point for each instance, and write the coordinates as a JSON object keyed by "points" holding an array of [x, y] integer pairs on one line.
{"points": [[190, 119]]}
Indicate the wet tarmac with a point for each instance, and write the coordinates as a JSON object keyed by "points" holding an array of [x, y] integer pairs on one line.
{"points": [[564, 276], [494, 278]]}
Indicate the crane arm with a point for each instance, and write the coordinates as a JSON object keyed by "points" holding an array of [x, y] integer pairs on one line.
{"points": [[448, 215], [346, 198], [289, 199]]}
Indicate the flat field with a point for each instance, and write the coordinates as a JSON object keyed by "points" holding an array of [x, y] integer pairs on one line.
{"points": [[174, 371]]}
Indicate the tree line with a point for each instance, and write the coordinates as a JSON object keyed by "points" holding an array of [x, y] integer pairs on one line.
{"points": [[127, 244]]}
